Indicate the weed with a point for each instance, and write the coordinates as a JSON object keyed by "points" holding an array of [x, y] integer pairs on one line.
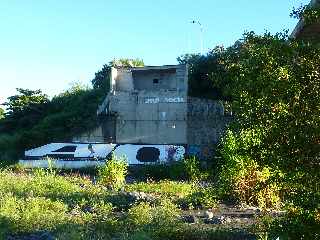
{"points": [[113, 173]]}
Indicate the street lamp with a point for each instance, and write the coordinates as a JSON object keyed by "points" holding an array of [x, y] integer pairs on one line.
{"points": [[201, 34]]}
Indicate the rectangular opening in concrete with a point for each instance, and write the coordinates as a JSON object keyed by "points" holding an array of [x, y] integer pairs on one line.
{"points": [[154, 79]]}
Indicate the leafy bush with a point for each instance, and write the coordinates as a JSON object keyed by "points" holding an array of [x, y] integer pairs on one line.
{"points": [[204, 197], [187, 169], [308, 13], [272, 151], [243, 178], [172, 171], [140, 214], [113, 173], [155, 220], [34, 120], [192, 168], [295, 224], [31, 214], [165, 215]]}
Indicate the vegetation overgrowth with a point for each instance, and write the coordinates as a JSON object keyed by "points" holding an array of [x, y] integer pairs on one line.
{"points": [[32, 119], [74, 207], [113, 173], [269, 155], [309, 14]]}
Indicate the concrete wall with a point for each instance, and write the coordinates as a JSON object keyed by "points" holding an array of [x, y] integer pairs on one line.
{"points": [[144, 111], [167, 117], [141, 78], [94, 135], [124, 80], [152, 132], [149, 114], [150, 117], [205, 125], [144, 80]]}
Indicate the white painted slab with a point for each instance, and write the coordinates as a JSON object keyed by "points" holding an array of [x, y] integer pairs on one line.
{"points": [[129, 151], [101, 150], [60, 164]]}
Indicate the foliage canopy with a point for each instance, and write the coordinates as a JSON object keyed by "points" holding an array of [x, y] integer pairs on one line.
{"points": [[272, 149]]}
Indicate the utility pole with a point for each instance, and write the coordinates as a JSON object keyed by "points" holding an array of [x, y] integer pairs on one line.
{"points": [[201, 34]]}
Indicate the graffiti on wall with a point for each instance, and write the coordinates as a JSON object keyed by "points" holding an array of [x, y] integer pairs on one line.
{"points": [[155, 100]]}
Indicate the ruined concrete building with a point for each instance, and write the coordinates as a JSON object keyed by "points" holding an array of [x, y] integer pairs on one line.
{"points": [[150, 105]]}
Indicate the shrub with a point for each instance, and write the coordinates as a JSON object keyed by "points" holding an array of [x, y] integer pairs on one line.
{"points": [[140, 214], [204, 197], [162, 171], [192, 168], [295, 224], [153, 222], [113, 173], [166, 214], [242, 178], [31, 214]]}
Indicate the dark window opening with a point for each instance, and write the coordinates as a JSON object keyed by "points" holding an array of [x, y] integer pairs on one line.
{"points": [[66, 149], [60, 156], [155, 80], [148, 154]]}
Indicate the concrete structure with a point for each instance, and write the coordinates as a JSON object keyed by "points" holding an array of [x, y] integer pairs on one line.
{"points": [[95, 135], [147, 117], [206, 123], [150, 105], [79, 155], [146, 105], [308, 32]]}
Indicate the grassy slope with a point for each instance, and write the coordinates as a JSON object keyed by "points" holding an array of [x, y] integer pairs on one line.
{"points": [[72, 207]]}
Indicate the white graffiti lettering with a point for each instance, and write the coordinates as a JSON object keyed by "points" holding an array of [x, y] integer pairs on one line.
{"points": [[174, 100], [166, 100], [152, 100]]}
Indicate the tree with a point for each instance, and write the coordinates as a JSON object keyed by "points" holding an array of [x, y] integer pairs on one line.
{"points": [[1, 113], [272, 149], [102, 77], [24, 109], [25, 100], [309, 13], [202, 79]]}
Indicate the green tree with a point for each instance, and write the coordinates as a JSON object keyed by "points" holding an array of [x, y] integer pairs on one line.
{"points": [[309, 13], [1, 113], [33, 120], [25, 100], [275, 87], [102, 78], [202, 79], [24, 109]]}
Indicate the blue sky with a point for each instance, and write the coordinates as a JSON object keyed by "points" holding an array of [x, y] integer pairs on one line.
{"points": [[47, 44]]}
